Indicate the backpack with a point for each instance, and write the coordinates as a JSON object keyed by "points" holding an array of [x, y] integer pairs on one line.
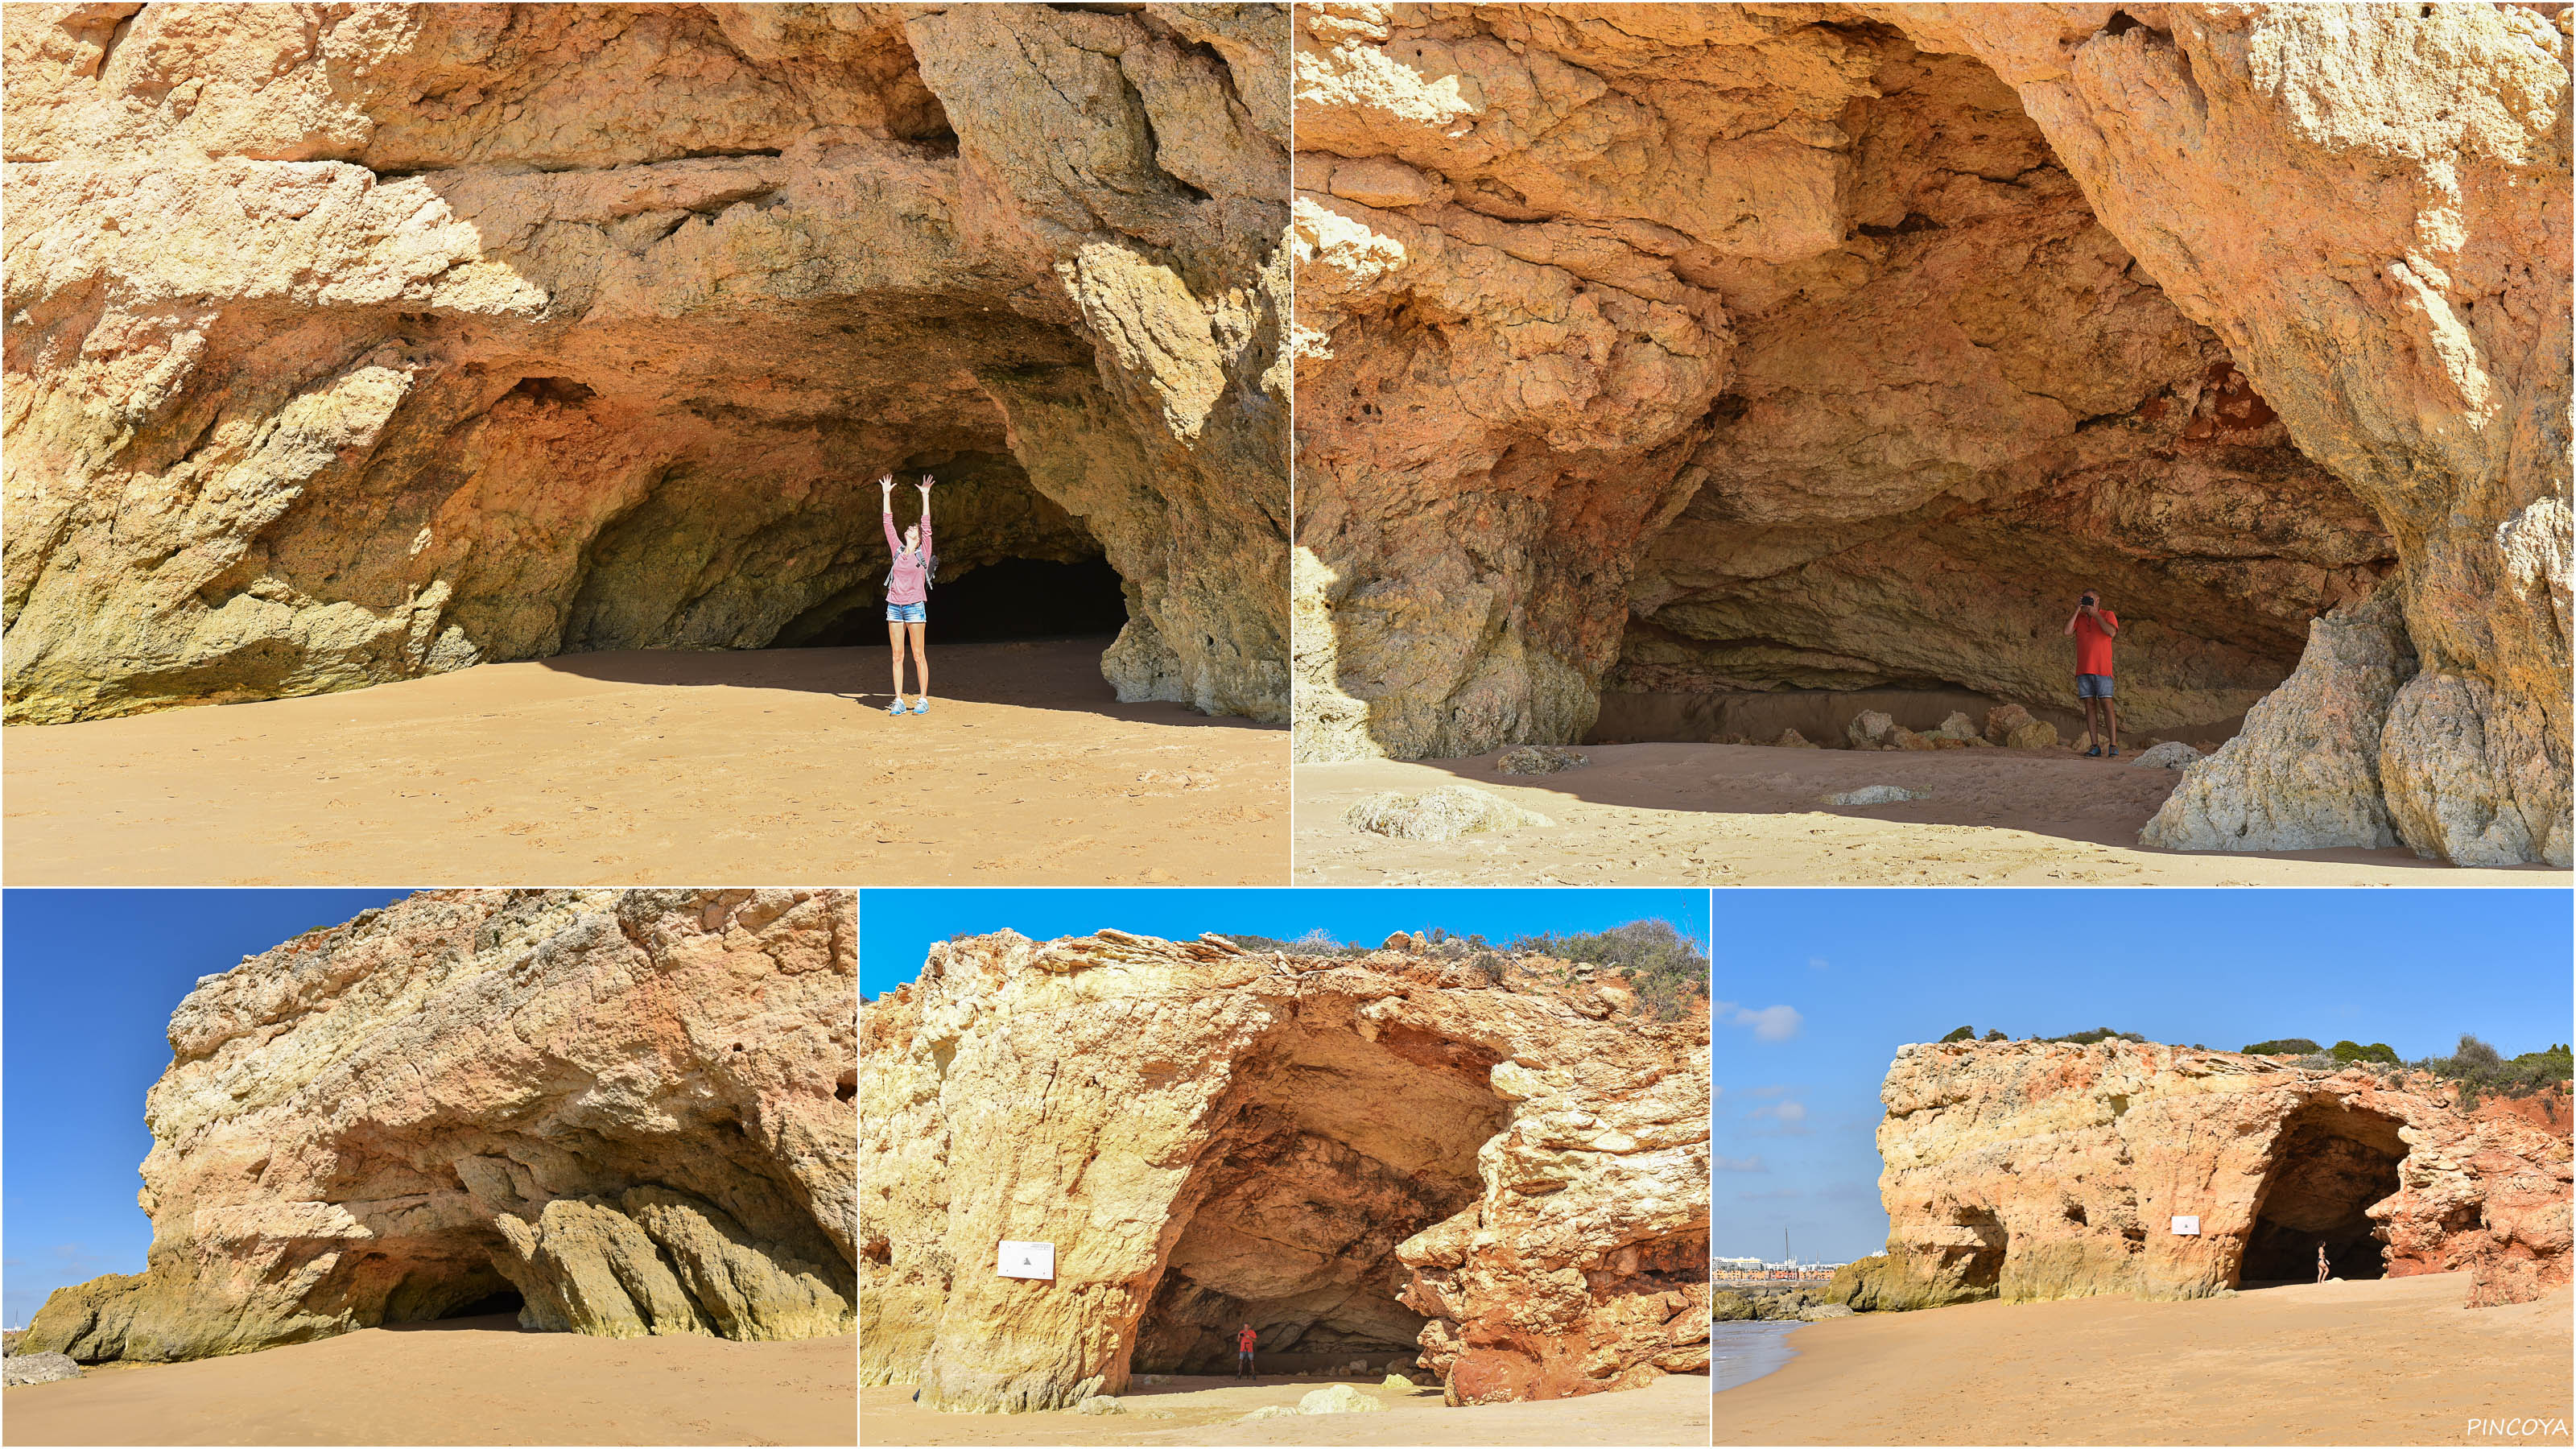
{"points": [[929, 573]]}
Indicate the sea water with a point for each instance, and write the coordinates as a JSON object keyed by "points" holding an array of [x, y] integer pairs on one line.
{"points": [[1739, 1353]]}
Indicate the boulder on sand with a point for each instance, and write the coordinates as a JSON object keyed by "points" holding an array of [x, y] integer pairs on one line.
{"points": [[1790, 739], [1541, 760], [1339, 1399], [38, 1368], [2171, 755], [1443, 814], [1870, 730]]}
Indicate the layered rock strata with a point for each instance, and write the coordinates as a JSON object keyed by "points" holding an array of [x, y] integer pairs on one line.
{"points": [[352, 345], [1841, 346], [628, 1111], [2023, 1170], [1497, 1163]]}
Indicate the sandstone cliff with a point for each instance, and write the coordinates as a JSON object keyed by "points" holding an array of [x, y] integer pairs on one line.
{"points": [[630, 1111], [1841, 346], [351, 344], [2025, 1170], [1497, 1163]]}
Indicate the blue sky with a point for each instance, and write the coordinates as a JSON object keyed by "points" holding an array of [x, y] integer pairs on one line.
{"points": [[896, 928], [1815, 990], [88, 980]]}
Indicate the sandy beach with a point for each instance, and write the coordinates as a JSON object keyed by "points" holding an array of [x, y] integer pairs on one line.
{"points": [[1755, 815], [2392, 1361], [646, 767], [1207, 1410], [463, 1381]]}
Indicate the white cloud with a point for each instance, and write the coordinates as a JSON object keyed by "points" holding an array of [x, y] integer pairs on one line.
{"points": [[1741, 1164], [1819, 963], [1769, 1023], [1792, 1116]]}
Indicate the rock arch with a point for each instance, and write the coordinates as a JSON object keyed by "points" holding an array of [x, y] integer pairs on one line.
{"points": [[1342, 1149], [2330, 1166]]}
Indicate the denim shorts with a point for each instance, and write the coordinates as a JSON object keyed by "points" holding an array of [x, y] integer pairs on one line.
{"points": [[908, 613], [2092, 686]]}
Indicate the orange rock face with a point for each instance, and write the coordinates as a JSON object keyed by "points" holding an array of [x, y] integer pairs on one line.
{"points": [[1842, 346], [2044, 1170], [355, 345], [628, 1111], [1499, 1171]]}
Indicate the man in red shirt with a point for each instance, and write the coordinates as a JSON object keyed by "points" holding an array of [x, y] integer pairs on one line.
{"points": [[1243, 1343], [2094, 627]]}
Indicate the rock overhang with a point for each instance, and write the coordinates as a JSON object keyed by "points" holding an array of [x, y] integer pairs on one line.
{"points": [[1233, 1059], [783, 277], [467, 1088]]}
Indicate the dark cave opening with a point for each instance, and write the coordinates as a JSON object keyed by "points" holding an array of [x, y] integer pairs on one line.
{"points": [[2329, 1165], [1026, 598], [1341, 1148], [505, 1301], [1017, 598]]}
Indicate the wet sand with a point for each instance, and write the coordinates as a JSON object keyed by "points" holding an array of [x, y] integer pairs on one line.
{"points": [[1755, 815], [464, 1381], [647, 767], [1206, 1410], [2397, 1361]]}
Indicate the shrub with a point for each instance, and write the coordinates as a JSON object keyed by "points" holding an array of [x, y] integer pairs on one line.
{"points": [[2286, 1046], [1667, 968], [2483, 1071], [2099, 1033], [1965, 1033], [2378, 1051], [1996, 1034]]}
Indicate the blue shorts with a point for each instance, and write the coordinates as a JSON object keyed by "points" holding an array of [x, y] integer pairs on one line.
{"points": [[2092, 686], [908, 613]]}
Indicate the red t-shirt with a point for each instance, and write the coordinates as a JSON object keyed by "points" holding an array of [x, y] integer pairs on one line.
{"points": [[1244, 1340], [2092, 646]]}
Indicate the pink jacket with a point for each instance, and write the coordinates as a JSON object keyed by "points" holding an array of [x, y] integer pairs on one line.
{"points": [[909, 582]]}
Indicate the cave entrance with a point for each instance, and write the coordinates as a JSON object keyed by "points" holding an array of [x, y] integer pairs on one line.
{"points": [[1012, 599], [439, 1290], [2327, 1168], [1343, 1144], [1012, 564], [505, 1301], [1942, 427]]}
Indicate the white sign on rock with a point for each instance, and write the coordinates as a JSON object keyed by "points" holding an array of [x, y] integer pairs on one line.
{"points": [[2187, 1227], [1028, 1260]]}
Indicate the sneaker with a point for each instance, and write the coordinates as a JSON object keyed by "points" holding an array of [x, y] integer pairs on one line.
{"points": [[897, 706], [922, 706], [2094, 753], [2115, 752]]}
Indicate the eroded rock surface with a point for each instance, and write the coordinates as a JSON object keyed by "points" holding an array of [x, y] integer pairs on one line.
{"points": [[631, 1110], [2024, 1170], [1500, 1165], [1709, 347], [352, 345]]}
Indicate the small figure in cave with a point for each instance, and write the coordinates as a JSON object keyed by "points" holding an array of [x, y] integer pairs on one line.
{"points": [[1243, 1343], [2321, 1260], [908, 592], [2094, 627]]}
